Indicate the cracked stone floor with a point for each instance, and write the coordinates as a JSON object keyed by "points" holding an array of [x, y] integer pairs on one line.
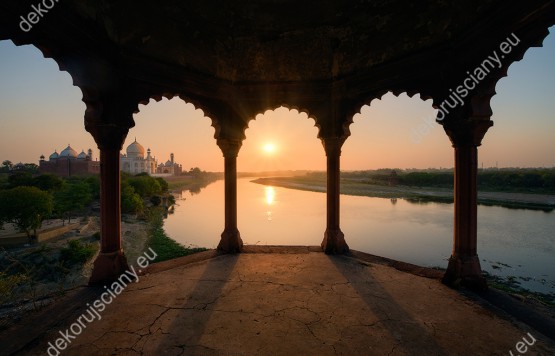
{"points": [[295, 302]]}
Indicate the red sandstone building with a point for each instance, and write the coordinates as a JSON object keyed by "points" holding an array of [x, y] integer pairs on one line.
{"points": [[68, 163]]}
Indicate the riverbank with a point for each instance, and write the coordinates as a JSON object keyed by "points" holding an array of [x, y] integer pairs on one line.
{"points": [[165, 247], [413, 194], [36, 275], [194, 184]]}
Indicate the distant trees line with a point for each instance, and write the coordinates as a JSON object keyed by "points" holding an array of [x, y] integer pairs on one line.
{"points": [[26, 200], [534, 180]]}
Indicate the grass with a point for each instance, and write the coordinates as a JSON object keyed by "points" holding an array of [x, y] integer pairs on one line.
{"points": [[164, 246], [508, 285]]}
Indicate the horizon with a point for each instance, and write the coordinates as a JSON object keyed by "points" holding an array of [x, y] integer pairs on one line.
{"points": [[41, 111]]}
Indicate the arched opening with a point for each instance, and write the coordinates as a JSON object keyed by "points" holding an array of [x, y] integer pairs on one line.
{"points": [[42, 132], [391, 138], [399, 134], [280, 143], [178, 142], [40, 109]]}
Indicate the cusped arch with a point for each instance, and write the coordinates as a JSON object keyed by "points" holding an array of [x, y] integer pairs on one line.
{"points": [[357, 106], [197, 104], [268, 108]]}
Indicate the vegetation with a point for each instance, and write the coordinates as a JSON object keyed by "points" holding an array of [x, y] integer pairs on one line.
{"points": [[26, 207], [141, 188], [76, 253], [72, 198], [194, 180], [165, 247], [29, 276], [532, 180], [434, 185]]}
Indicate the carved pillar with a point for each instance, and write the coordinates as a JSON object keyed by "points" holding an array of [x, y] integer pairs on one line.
{"points": [[230, 239], [334, 240], [464, 264], [108, 118]]}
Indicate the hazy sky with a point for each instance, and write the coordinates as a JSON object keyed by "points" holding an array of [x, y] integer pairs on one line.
{"points": [[41, 111]]}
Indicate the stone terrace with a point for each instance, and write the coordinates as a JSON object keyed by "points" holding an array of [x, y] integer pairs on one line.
{"points": [[279, 300]]}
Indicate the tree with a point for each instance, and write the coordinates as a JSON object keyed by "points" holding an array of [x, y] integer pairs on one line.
{"points": [[163, 184], [7, 164], [19, 179], [26, 207], [48, 182], [145, 185], [72, 198], [131, 202]]}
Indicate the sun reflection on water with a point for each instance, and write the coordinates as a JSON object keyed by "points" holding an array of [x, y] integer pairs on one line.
{"points": [[270, 194]]}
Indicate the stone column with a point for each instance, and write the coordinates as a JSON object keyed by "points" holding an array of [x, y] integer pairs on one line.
{"points": [[334, 240], [230, 239], [464, 264], [111, 261]]}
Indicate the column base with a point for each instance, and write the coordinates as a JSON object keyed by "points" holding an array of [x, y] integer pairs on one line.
{"points": [[334, 242], [465, 271], [108, 267], [231, 242]]}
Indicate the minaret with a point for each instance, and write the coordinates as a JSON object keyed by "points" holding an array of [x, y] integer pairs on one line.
{"points": [[171, 158], [89, 152], [148, 159]]}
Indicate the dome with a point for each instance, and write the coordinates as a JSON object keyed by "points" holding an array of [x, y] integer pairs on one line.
{"points": [[68, 152], [82, 155], [168, 164], [54, 156], [135, 150]]}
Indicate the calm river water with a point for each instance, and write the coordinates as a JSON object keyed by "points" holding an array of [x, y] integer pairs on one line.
{"points": [[511, 242]]}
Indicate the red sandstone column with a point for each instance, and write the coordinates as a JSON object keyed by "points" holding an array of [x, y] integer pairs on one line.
{"points": [[230, 239], [464, 264], [111, 261], [334, 240]]}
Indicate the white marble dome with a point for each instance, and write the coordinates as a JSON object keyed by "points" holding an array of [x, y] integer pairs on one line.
{"points": [[135, 150]]}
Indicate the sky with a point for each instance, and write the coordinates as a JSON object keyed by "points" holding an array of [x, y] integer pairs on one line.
{"points": [[41, 111]]}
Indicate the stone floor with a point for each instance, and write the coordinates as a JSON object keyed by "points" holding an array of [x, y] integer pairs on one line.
{"points": [[282, 301]]}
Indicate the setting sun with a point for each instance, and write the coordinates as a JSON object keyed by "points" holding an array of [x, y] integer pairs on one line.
{"points": [[269, 148]]}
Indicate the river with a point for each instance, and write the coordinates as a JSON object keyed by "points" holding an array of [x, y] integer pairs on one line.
{"points": [[518, 244]]}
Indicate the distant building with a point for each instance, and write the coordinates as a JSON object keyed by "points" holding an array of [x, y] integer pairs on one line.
{"points": [[134, 162], [68, 163], [170, 167]]}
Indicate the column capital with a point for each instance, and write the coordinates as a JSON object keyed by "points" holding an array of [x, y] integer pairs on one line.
{"points": [[332, 145], [229, 147], [108, 118], [464, 133], [108, 136]]}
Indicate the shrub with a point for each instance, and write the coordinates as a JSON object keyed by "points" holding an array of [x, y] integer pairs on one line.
{"points": [[76, 253]]}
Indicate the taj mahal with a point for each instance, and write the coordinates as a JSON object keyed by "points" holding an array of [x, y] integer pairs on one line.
{"points": [[134, 162]]}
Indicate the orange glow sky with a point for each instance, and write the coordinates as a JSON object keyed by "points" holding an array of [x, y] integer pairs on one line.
{"points": [[41, 111]]}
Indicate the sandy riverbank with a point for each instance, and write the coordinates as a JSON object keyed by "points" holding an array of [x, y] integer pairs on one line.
{"points": [[513, 200]]}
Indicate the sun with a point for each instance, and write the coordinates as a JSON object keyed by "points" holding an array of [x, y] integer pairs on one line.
{"points": [[269, 148]]}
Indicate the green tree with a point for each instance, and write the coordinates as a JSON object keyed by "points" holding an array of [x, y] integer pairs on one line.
{"points": [[26, 207], [131, 202], [163, 184], [7, 165], [20, 179], [145, 185], [47, 182], [94, 185], [72, 199]]}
